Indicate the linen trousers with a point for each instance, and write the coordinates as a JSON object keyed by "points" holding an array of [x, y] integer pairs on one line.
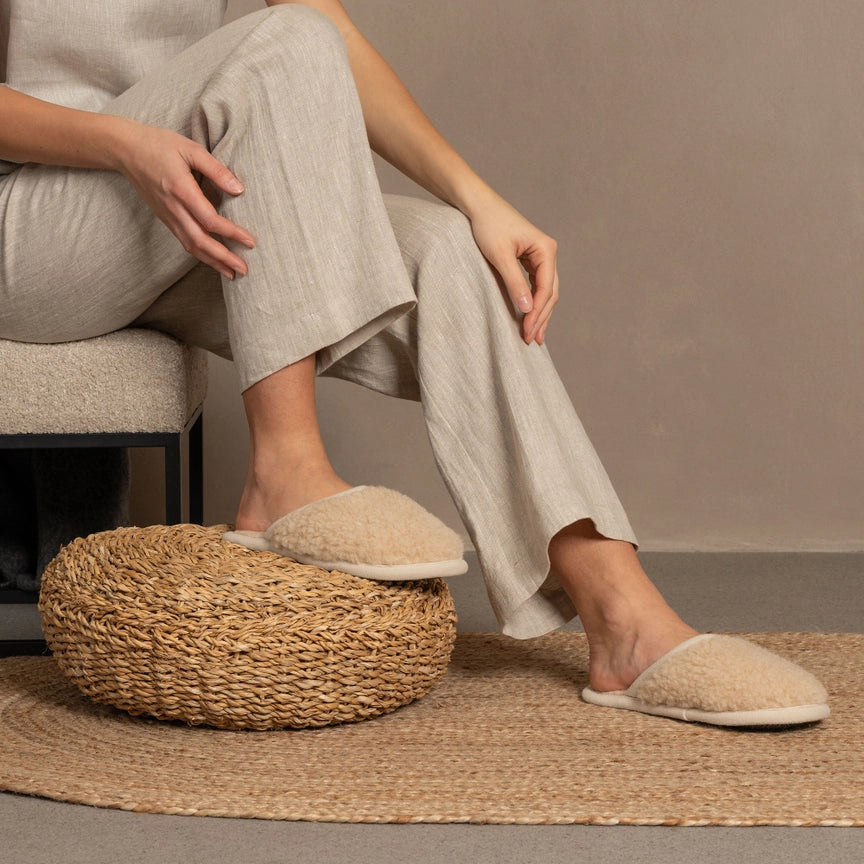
{"points": [[386, 291]]}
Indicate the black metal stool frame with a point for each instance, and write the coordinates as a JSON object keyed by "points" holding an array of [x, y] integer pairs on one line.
{"points": [[170, 442]]}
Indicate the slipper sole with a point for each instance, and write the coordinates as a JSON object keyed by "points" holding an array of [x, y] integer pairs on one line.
{"points": [[379, 572], [250, 539], [791, 716]]}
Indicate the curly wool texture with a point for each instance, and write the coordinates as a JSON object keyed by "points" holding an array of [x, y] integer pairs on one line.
{"points": [[131, 380], [366, 524], [726, 673]]}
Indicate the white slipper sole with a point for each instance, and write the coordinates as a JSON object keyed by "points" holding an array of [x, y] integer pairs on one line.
{"points": [[250, 539], [792, 716], [379, 572]]}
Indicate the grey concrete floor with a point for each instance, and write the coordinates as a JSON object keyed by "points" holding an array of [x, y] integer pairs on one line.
{"points": [[716, 591]]}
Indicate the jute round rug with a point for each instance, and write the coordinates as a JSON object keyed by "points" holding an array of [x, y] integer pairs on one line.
{"points": [[504, 738]]}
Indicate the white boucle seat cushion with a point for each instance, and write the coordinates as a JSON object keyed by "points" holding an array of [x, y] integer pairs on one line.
{"points": [[132, 380]]}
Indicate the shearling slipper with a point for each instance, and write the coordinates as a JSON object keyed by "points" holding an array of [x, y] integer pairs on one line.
{"points": [[366, 531], [725, 681]]}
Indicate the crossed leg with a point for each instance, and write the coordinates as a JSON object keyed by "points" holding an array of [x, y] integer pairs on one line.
{"points": [[628, 623], [288, 465]]}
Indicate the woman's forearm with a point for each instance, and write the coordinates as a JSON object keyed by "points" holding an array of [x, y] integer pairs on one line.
{"points": [[157, 162], [398, 129], [402, 134], [32, 130]]}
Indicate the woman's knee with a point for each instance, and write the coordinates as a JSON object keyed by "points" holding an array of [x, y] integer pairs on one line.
{"points": [[427, 229], [298, 37], [458, 291]]}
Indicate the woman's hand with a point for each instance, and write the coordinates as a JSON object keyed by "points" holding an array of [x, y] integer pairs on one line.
{"points": [[508, 240], [159, 164]]}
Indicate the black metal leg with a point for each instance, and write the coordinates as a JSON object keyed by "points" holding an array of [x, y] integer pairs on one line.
{"points": [[196, 472], [172, 447], [173, 485]]}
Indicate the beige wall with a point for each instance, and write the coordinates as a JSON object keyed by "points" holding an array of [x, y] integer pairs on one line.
{"points": [[701, 166]]}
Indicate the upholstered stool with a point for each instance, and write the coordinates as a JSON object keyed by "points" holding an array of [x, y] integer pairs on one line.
{"points": [[131, 388], [175, 623]]}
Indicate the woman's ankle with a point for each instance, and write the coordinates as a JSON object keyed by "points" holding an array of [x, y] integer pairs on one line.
{"points": [[627, 621], [271, 490]]}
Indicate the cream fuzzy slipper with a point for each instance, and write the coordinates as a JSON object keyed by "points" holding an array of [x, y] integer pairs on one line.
{"points": [[725, 681], [366, 531]]}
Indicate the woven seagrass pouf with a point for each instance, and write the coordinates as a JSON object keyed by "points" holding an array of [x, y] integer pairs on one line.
{"points": [[175, 623]]}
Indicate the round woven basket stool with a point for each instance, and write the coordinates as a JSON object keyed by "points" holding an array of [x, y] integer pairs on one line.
{"points": [[175, 623]]}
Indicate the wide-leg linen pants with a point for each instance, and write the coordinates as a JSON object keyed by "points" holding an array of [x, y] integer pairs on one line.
{"points": [[389, 292]]}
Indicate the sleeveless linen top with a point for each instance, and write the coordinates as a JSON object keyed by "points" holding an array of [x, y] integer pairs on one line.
{"points": [[83, 53]]}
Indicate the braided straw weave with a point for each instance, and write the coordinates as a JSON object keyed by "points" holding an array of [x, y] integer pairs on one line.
{"points": [[174, 623]]}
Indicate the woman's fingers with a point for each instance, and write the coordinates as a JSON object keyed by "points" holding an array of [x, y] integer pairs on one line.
{"points": [[201, 159], [200, 244], [546, 314], [201, 222], [539, 262], [514, 280], [193, 219], [196, 232], [220, 176]]}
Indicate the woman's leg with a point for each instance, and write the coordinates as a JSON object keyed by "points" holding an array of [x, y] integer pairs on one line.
{"points": [[549, 530], [628, 623], [288, 466], [527, 482]]}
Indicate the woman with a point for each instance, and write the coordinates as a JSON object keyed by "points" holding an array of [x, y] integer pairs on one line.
{"points": [[248, 148]]}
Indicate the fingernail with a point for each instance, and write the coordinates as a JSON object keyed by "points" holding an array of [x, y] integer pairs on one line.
{"points": [[524, 303], [228, 274], [235, 186]]}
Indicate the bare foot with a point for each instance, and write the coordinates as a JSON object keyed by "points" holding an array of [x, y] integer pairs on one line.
{"points": [[628, 623], [618, 657], [270, 494], [288, 465]]}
